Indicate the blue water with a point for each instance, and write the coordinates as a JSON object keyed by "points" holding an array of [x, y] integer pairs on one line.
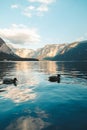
{"points": [[37, 104]]}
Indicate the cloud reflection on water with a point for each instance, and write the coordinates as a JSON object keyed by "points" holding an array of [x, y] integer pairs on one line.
{"points": [[28, 123], [19, 95], [37, 122]]}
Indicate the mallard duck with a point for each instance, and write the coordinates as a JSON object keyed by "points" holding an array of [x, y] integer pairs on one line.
{"points": [[55, 78], [10, 81]]}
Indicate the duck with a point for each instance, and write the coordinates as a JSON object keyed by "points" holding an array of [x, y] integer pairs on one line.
{"points": [[55, 78], [10, 81]]}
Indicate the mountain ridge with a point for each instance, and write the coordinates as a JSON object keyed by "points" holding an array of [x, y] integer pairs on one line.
{"points": [[57, 52], [76, 51], [48, 50], [6, 53]]}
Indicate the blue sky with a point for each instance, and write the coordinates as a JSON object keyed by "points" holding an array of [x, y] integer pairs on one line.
{"points": [[35, 23]]}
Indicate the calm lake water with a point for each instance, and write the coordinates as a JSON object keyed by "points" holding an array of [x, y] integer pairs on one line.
{"points": [[37, 104]]}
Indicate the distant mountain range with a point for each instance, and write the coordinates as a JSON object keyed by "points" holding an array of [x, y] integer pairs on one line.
{"points": [[76, 51], [49, 50], [59, 52]]}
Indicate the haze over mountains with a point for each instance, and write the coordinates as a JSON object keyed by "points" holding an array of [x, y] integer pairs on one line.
{"points": [[76, 51]]}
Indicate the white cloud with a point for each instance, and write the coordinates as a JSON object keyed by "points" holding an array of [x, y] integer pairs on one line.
{"points": [[28, 11], [35, 7], [28, 14], [14, 6], [43, 1], [30, 8], [42, 8], [38, 11], [20, 34]]}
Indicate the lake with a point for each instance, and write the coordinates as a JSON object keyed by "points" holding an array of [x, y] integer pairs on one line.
{"points": [[37, 104]]}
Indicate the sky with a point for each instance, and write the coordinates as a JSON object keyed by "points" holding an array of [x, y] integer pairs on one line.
{"points": [[34, 23]]}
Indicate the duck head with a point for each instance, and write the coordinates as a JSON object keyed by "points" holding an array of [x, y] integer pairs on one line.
{"points": [[58, 75], [15, 81]]}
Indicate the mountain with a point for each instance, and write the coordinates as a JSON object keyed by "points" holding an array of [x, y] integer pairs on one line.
{"points": [[4, 48], [76, 51], [6, 53], [22, 52], [49, 50], [25, 53]]}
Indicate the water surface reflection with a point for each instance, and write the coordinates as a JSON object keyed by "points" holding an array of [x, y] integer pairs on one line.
{"points": [[37, 104], [18, 94], [29, 123]]}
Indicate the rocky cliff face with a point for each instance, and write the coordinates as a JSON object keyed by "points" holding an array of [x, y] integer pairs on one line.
{"points": [[25, 53], [4, 48], [48, 51], [5, 52], [76, 51]]}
